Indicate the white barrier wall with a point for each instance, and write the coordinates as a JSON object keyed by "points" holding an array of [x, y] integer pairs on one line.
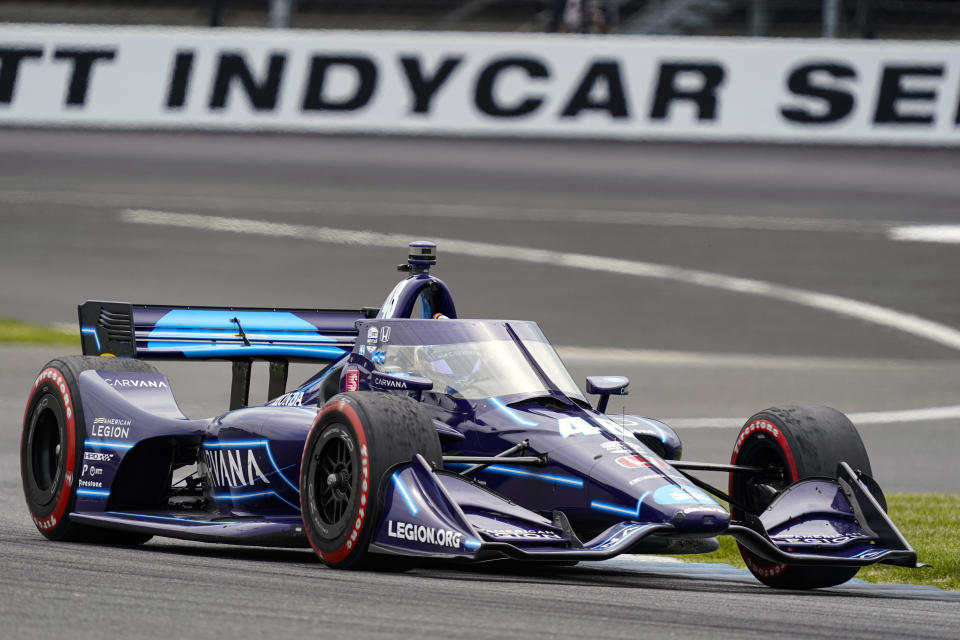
{"points": [[501, 84]]}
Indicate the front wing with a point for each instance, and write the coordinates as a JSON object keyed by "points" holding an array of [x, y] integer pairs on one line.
{"points": [[438, 514]]}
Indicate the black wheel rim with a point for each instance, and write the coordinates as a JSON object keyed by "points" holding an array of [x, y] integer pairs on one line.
{"points": [[47, 448], [334, 481], [758, 490]]}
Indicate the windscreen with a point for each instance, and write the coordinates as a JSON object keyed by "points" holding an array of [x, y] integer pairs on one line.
{"points": [[471, 359]]}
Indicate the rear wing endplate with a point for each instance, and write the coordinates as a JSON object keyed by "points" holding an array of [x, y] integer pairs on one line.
{"points": [[237, 334]]}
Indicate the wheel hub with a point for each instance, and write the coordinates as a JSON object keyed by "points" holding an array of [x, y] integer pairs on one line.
{"points": [[339, 481], [335, 480], [46, 450]]}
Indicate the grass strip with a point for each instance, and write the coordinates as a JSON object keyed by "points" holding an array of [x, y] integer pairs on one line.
{"points": [[18, 332], [929, 522]]}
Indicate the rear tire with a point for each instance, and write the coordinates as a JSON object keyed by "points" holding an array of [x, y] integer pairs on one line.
{"points": [[51, 449], [356, 439], [796, 443]]}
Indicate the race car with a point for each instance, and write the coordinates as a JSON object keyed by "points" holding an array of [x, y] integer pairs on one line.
{"points": [[428, 437]]}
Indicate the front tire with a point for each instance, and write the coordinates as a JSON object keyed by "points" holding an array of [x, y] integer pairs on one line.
{"points": [[51, 449], [794, 443], [356, 439]]}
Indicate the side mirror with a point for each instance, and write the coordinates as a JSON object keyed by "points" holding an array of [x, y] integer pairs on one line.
{"points": [[607, 386], [398, 382]]}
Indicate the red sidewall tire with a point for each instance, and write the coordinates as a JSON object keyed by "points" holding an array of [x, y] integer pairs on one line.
{"points": [[760, 428], [334, 542], [50, 486], [804, 442], [51, 499], [342, 503]]}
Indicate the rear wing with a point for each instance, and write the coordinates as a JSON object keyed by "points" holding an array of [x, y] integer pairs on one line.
{"points": [[237, 334]]}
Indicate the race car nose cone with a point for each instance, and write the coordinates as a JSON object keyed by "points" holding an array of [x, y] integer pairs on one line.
{"points": [[702, 518]]}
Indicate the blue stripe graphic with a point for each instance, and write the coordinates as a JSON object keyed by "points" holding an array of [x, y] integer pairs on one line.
{"points": [[254, 494], [273, 327], [513, 415], [513, 471], [206, 319], [108, 445], [411, 505], [93, 493], [626, 511], [215, 350], [92, 331], [217, 334], [170, 518], [235, 443]]}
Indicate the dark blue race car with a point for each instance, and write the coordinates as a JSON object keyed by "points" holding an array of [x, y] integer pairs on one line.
{"points": [[434, 437]]}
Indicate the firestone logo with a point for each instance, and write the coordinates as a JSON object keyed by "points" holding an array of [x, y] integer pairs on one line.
{"points": [[61, 384], [757, 425], [766, 572], [364, 484]]}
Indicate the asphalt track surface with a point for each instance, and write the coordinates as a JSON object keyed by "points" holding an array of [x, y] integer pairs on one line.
{"points": [[72, 209]]}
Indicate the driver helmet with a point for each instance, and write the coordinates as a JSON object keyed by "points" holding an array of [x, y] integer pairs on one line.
{"points": [[452, 364]]}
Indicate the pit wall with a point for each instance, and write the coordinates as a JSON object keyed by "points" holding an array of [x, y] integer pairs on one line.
{"points": [[609, 87]]}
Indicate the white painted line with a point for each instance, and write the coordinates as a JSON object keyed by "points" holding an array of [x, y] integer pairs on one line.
{"points": [[258, 204], [907, 415], [615, 356], [945, 233], [705, 423], [867, 312], [862, 419]]}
